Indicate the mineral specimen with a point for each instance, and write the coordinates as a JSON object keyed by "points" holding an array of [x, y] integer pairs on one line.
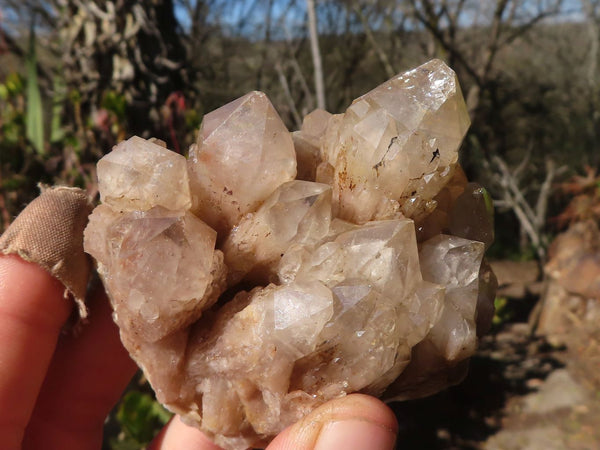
{"points": [[250, 296]]}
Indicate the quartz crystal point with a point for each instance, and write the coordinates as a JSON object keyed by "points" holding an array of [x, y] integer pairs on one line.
{"points": [[454, 263], [382, 254], [249, 297], [127, 181], [297, 212], [307, 143], [156, 265], [244, 152], [395, 147]]}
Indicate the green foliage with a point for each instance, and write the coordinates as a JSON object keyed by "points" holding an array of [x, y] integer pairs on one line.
{"points": [[13, 183], [489, 202], [12, 86], [12, 117], [12, 126], [115, 103], [192, 119], [140, 417], [503, 312], [35, 117], [75, 97], [527, 254]]}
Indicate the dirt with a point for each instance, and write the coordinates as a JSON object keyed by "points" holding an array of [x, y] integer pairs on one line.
{"points": [[521, 393]]}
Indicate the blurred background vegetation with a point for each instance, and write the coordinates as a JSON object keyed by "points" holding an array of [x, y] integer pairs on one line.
{"points": [[77, 76]]}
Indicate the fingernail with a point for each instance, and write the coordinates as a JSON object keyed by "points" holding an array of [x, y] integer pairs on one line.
{"points": [[355, 434]]}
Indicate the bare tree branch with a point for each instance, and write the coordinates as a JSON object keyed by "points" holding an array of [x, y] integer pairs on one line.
{"points": [[316, 54], [594, 35], [541, 208], [288, 95], [531, 219], [430, 21], [381, 55]]}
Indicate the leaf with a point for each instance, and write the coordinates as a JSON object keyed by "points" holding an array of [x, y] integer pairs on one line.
{"points": [[141, 416], [116, 103], [502, 311], [489, 202], [14, 84], [34, 113]]}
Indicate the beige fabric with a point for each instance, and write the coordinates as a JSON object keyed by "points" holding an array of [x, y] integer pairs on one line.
{"points": [[49, 232]]}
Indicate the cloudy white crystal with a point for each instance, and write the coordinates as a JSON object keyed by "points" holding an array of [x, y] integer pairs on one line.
{"points": [[127, 181], [156, 265], [298, 212], [454, 263]]}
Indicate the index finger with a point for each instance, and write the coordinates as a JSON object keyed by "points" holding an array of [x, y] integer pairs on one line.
{"points": [[33, 310]]}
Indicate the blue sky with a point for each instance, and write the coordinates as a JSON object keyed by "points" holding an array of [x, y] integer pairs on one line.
{"points": [[290, 14]]}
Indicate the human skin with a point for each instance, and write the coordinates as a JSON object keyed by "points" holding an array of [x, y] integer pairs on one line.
{"points": [[57, 388]]}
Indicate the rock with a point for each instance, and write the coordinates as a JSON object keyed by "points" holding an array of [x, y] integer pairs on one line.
{"points": [[575, 259], [540, 438], [572, 287], [252, 297], [558, 391], [516, 272]]}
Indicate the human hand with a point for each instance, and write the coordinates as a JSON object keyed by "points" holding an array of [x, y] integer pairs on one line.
{"points": [[57, 389]]}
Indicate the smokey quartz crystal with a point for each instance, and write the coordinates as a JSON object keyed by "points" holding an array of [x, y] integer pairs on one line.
{"points": [[272, 271]]}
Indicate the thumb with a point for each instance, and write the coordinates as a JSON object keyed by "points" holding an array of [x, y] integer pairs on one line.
{"points": [[354, 422]]}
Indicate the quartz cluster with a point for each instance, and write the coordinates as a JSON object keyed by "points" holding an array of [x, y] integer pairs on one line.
{"points": [[272, 271]]}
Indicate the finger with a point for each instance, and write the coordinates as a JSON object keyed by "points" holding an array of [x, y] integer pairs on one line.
{"points": [[354, 422], [85, 379], [177, 435], [32, 311]]}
